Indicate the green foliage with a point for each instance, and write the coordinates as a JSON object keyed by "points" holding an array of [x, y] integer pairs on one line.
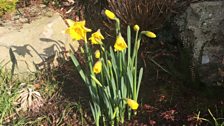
{"points": [[7, 95], [117, 81], [10, 89], [216, 121], [7, 6]]}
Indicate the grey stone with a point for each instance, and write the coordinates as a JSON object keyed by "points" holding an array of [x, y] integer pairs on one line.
{"points": [[28, 49], [201, 27]]}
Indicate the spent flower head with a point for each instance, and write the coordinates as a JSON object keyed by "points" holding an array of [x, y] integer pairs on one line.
{"points": [[96, 37], [77, 30]]}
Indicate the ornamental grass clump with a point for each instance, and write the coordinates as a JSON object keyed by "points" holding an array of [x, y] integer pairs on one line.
{"points": [[146, 13], [111, 75]]}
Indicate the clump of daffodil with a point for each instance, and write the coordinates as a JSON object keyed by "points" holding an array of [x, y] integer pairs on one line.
{"points": [[132, 104], [97, 54], [113, 68], [96, 37], [149, 34], [136, 27], [77, 30], [110, 14], [97, 67], [120, 43]]}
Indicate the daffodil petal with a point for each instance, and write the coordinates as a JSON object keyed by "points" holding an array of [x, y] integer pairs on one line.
{"points": [[132, 104], [70, 22], [97, 67], [96, 37], [120, 44]]}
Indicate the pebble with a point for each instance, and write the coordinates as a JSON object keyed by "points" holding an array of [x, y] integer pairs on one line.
{"points": [[42, 6], [23, 20], [16, 17]]}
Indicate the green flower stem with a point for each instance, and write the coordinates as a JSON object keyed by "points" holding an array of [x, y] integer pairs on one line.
{"points": [[117, 26], [120, 62], [129, 44], [129, 113], [88, 56], [135, 60]]}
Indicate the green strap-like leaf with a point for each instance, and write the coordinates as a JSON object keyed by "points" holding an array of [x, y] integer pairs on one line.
{"points": [[130, 78], [96, 80], [129, 43], [77, 65], [139, 81]]}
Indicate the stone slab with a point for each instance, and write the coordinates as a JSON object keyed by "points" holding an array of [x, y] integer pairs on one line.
{"points": [[201, 28], [24, 50]]}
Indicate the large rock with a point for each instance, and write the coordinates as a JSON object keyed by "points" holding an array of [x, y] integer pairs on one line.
{"points": [[201, 28], [35, 44]]}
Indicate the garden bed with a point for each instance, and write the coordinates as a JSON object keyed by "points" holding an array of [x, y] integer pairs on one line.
{"points": [[164, 98]]}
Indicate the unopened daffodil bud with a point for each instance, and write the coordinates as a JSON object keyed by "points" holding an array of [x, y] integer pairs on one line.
{"points": [[82, 50], [149, 34], [97, 54], [110, 14], [109, 63], [136, 27]]}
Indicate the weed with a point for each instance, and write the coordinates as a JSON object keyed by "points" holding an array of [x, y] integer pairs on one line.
{"points": [[7, 6]]}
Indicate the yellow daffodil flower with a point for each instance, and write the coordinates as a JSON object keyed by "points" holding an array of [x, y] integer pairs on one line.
{"points": [[97, 54], [97, 67], [110, 14], [132, 104], [77, 30], [136, 27], [150, 34], [96, 37], [120, 44]]}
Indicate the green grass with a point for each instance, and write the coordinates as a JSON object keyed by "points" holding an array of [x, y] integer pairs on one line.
{"points": [[10, 87], [8, 91]]}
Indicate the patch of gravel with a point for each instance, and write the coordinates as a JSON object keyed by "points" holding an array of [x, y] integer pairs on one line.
{"points": [[20, 16]]}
